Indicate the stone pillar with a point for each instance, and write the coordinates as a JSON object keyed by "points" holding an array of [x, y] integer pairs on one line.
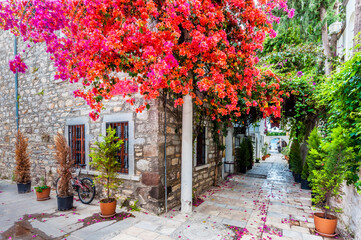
{"points": [[229, 150], [187, 163]]}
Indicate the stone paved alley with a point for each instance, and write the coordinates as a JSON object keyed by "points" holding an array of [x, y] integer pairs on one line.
{"points": [[265, 204]]}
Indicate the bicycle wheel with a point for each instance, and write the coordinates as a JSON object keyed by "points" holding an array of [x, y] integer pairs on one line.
{"points": [[70, 188], [86, 191]]}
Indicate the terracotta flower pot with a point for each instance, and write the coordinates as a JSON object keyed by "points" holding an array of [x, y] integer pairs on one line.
{"points": [[43, 195], [107, 209], [325, 227], [264, 158]]}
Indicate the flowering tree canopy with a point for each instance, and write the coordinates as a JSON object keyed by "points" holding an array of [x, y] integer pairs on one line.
{"points": [[205, 48]]}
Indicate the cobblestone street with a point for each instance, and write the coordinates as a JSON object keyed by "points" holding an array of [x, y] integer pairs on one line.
{"points": [[265, 203]]}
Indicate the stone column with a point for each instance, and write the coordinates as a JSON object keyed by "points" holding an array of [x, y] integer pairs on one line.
{"points": [[229, 149], [187, 163]]}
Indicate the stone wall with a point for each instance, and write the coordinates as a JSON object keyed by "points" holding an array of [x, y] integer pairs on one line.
{"points": [[350, 218], [203, 176], [45, 106]]}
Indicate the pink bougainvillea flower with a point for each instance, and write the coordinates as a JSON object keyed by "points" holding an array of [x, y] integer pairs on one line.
{"points": [[17, 65]]}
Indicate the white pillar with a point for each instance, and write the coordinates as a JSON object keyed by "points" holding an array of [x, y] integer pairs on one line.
{"points": [[229, 150], [187, 147]]}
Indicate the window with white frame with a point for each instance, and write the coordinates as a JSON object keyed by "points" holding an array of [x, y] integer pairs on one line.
{"points": [[77, 135]]}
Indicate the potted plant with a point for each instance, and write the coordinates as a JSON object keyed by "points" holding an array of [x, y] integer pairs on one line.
{"points": [[22, 169], [104, 160], [327, 182], [42, 191], [264, 151], [296, 160], [257, 160], [65, 196], [314, 142]]}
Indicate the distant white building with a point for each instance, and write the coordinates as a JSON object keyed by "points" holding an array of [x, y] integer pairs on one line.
{"points": [[345, 40]]}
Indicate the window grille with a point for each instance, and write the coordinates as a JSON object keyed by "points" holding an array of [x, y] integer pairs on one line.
{"points": [[122, 132], [201, 147], [76, 136]]}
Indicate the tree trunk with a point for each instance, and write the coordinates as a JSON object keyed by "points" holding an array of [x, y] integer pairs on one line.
{"points": [[357, 27], [326, 46], [108, 190]]}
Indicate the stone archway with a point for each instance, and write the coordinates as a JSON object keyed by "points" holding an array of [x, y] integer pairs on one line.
{"points": [[269, 139]]}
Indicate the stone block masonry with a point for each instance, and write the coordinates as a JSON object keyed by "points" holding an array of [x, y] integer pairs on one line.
{"points": [[47, 106]]}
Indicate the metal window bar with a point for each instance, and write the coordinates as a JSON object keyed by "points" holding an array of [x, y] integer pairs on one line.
{"points": [[201, 147], [76, 136], [122, 132]]}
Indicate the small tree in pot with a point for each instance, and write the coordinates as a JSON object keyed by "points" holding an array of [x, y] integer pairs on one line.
{"points": [[104, 159], [22, 170], [264, 151], [327, 181], [66, 163]]}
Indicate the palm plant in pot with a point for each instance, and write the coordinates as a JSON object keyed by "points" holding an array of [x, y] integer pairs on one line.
{"points": [[42, 191], [65, 195], [22, 170], [327, 182], [104, 160]]}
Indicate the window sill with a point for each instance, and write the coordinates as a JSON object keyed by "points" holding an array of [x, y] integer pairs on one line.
{"points": [[122, 176], [202, 167]]}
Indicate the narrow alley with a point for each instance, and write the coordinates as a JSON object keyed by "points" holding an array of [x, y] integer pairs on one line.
{"points": [[264, 203]]}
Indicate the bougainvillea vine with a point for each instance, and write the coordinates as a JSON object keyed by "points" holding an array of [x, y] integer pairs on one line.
{"points": [[205, 48]]}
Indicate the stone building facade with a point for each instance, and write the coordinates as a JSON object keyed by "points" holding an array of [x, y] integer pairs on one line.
{"points": [[350, 217], [47, 106]]}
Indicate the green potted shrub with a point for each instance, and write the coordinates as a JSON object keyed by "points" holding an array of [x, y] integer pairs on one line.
{"points": [[22, 169], [313, 156], [43, 191], [264, 151], [327, 182], [242, 157], [286, 151], [62, 154], [104, 160], [296, 160]]}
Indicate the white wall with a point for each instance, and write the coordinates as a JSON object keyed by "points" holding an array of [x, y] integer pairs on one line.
{"points": [[345, 42]]}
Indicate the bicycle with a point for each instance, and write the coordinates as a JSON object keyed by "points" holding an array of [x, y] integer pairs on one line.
{"points": [[84, 186]]}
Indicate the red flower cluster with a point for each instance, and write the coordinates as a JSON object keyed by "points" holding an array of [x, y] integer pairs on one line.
{"points": [[205, 48]]}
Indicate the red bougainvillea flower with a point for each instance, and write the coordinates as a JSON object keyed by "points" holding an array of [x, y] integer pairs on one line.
{"points": [[205, 48]]}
